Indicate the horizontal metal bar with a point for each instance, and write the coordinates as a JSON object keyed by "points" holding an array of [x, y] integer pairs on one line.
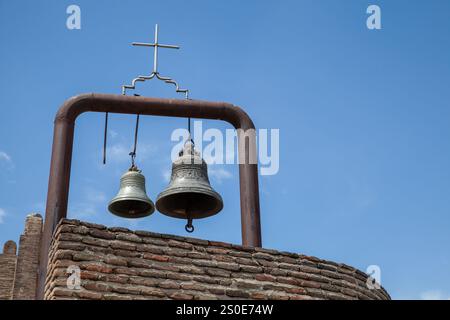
{"points": [[153, 45]]}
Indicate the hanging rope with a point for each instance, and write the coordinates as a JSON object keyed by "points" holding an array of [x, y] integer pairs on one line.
{"points": [[133, 153], [189, 130], [189, 127], [105, 138]]}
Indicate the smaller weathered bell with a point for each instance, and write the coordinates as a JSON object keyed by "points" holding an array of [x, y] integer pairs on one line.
{"points": [[132, 201], [189, 194]]}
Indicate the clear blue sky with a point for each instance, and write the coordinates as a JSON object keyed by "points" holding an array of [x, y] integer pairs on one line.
{"points": [[364, 120]]}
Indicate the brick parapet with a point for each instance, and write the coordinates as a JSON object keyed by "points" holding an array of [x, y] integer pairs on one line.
{"points": [[117, 263]]}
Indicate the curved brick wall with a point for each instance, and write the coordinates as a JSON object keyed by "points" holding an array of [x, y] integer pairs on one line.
{"points": [[117, 263]]}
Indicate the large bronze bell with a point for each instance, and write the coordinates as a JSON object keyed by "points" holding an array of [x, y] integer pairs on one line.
{"points": [[132, 201], [189, 194]]}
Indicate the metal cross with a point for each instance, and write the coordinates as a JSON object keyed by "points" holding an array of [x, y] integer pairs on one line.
{"points": [[156, 45]]}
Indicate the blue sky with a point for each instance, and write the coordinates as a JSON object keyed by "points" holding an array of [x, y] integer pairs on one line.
{"points": [[364, 120]]}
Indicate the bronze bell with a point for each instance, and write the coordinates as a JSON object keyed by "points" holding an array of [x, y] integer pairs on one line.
{"points": [[132, 201], [189, 194]]}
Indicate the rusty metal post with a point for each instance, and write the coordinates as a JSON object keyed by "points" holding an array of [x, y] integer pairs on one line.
{"points": [[58, 188]]}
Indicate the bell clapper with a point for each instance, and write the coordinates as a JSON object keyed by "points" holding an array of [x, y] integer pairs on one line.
{"points": [[189, 227]]}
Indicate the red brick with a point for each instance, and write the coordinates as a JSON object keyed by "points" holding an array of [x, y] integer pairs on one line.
{"points": [[258, 296], [276, 296], [150, 282], [95, 242], [289, 260], [116, 261], [102, 234], [217, 250], [71, 246], [86, 256], [169, 284], [198, 255], [152, 273], [149, 248], [90, 275], [217, 291], [181, 296], [152, 292], [92, 225], [96, 286], [248, 284], [128, 237], [178, 244], [70, 237], [228, 266], [299, 297], [265, 256], [224, 258], [296, 290], [192, 286], [265, 277], [178, 276], [95, 266], [63, 292], [89, 295], [115, 296], [128, 271], [128, 254], [156, 257], [235, 293], [250, 262], [220, 244], [310, 284], [217, 272], [125, 289], [140, 263], [117, 244], [291, 281], [165, 266], [63, 254], [205, 263], [114, 278], [251, 269]]}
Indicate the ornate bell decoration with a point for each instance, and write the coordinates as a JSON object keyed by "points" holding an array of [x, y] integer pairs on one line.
{"points": [[189, 194], [132, 201]]}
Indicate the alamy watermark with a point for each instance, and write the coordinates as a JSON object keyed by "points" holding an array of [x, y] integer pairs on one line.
{"points": [[373, 22], [73, 21], [374, 279], [74, 278], [260, 146]]}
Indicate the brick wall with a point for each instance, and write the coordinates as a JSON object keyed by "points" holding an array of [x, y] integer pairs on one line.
{"points": [[18, 272], [117, 263], [8, 260], [28, 258]]}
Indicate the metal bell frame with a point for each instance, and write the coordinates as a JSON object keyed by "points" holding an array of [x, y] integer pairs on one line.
{"points": [[60, 165], [64, 126]]}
